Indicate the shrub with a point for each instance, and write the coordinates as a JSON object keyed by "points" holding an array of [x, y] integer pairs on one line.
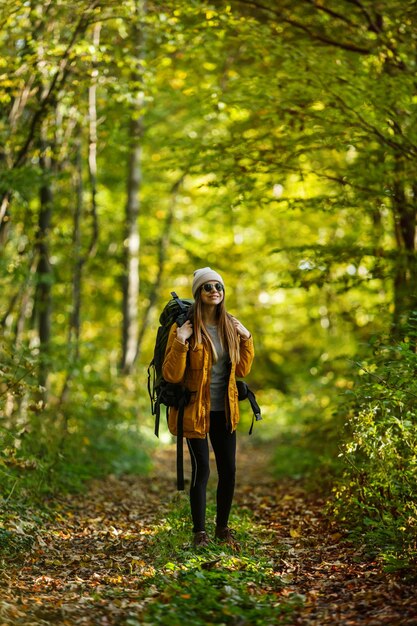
{"points": [[376, 495], [57, 445]]}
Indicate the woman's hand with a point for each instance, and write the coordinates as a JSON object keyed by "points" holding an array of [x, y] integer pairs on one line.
{"points": [[184, 332], [240, 329]]}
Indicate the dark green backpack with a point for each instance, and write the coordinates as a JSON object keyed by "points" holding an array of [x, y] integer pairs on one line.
{"points": [[160, 391]]}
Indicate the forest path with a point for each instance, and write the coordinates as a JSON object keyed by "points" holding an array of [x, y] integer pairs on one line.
{"points": [[113, 556]]}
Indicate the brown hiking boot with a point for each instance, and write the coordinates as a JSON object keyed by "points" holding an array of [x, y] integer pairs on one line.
{"points": [[226, 535], [201, 539]]}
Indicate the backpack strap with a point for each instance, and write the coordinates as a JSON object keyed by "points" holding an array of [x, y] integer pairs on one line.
{"points": [[157, 413], [183, 307], [155, 401], [151, 385], [255, 408], [180, 433], [245, 393]]}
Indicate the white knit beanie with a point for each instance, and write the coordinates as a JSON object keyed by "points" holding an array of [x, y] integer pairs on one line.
{"points": [[204, 275]]}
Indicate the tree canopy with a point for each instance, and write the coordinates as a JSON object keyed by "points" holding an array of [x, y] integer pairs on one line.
{"points": [[275, 142]]}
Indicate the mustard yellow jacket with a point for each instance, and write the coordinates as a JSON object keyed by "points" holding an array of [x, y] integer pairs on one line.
{"points": [[195, 376]]}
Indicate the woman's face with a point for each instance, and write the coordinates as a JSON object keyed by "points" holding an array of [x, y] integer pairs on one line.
{"points": [[212, 292]]}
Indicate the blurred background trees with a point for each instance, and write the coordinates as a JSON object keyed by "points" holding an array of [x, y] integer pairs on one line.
{"points": [[275, 142]]}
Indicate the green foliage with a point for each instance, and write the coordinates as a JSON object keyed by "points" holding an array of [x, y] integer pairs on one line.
{"points": [[47, 448], [219, 597], [217, 586], [308, 424], [376, 496], [18, 383], [278, 145]]}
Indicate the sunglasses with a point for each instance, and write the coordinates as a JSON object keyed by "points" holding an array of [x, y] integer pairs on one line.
{"points": [[209, 287]]}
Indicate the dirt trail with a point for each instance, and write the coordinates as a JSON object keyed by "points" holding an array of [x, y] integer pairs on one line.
{"points": [[341, 585], [87, 566]]}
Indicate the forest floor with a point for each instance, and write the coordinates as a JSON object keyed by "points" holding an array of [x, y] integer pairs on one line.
{"points": [[120, 554]]}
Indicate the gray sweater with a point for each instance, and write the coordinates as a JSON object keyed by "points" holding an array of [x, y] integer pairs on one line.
{"points": [[219, 373]]}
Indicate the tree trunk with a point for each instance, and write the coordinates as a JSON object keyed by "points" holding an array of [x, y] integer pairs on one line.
{"points": [[81, 258], [162, 254], [132, 236], [92, 142], [4, 217], [43, 271], [131, 253], [75, 319], [405, 268]]}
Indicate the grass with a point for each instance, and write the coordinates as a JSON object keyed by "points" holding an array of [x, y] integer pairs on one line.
{"points": [[213, 585]]}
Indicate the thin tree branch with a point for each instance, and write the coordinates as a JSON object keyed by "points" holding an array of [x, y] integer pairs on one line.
{"points": [[331, 12], [56, 84], [374, 27], [351, 47], [382, 381], [409, 153]]}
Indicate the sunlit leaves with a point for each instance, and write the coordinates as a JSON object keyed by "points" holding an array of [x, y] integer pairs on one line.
{"points": [[280, 140], [376, 495]]}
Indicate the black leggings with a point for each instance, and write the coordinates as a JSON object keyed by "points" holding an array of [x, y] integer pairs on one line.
{"points": [[224, 447]]}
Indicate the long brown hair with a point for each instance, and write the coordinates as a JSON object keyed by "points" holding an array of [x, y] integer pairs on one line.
{"points": [[228, 335]]}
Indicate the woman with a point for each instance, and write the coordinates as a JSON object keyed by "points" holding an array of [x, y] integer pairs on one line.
{"points": [[206, 353]]}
